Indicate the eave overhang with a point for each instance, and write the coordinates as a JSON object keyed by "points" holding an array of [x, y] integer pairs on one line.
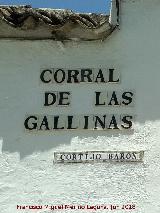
{"points": [[25, 22]]}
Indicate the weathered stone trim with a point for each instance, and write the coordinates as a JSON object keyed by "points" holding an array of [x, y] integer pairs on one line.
{"points": [[24, 22]]}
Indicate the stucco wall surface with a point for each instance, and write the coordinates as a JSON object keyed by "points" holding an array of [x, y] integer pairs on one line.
{"points": [[28, 175]]}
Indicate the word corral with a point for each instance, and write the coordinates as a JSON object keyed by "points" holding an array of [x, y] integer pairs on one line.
{"points": [[86, 75]]}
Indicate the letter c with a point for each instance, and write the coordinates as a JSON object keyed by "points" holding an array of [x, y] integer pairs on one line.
{"points": [[42, 76], [61, 157]]}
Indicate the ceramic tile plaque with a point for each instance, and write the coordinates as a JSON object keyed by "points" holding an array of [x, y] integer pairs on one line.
{"points": [[98, 156]]}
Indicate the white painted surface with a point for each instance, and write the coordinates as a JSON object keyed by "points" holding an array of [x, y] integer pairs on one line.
{"points": [[27, 173]]}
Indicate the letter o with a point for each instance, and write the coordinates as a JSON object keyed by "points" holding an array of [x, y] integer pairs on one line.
{"points": [[70, 157], [56, 75], [129, 156]]}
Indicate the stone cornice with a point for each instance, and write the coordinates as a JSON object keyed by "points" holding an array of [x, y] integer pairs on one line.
{"points": [[24, 22]]}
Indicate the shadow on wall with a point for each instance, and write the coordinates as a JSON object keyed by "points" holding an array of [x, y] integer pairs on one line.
{"points": [[146, 109], [75, 139], [147, 114], [140, 63]]}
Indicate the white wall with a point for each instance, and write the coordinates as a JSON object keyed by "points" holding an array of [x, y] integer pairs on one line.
{"points": [[28, 175]]}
